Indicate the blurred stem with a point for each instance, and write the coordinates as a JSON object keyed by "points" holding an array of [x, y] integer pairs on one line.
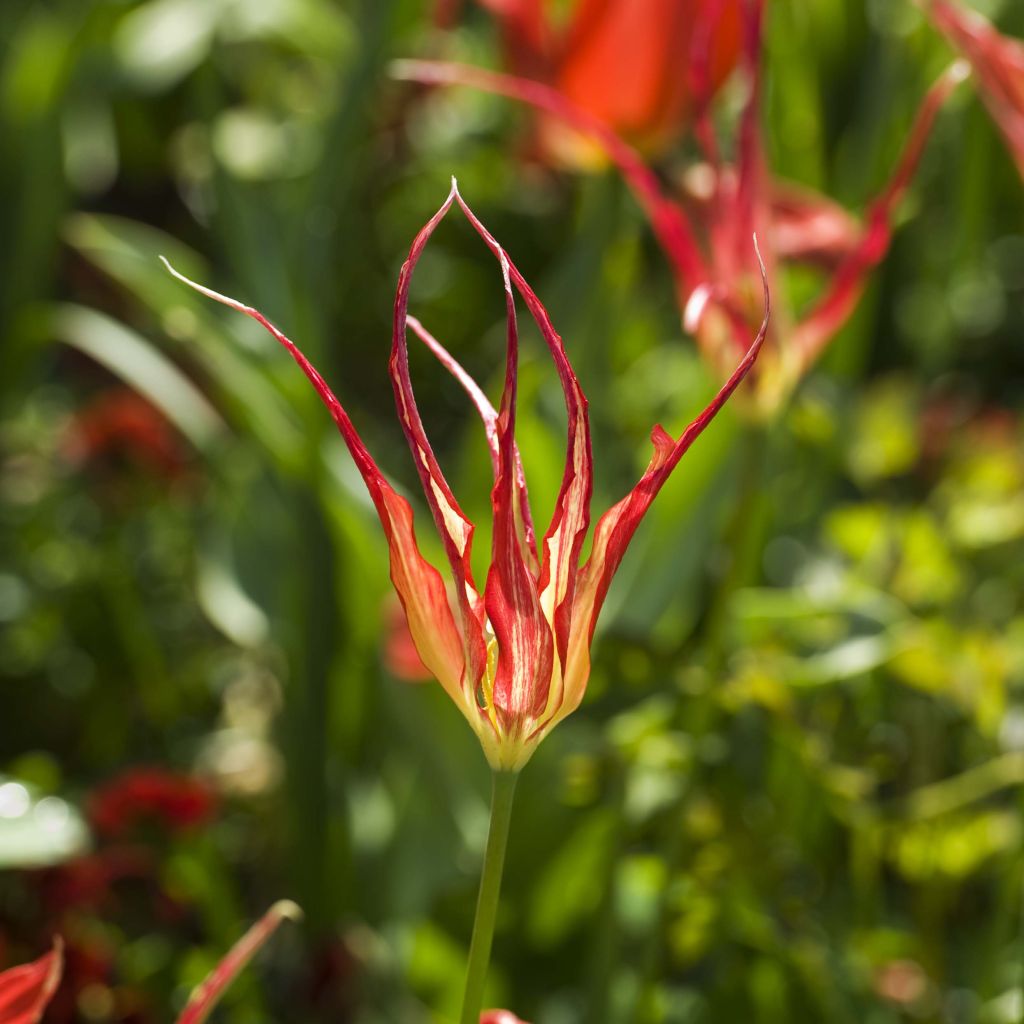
{"points": [[503, 789]]}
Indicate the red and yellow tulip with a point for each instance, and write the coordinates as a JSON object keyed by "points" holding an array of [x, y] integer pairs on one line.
{"points": [[514, 655]]}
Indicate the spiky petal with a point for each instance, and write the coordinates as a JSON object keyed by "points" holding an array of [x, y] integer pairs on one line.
{"points": [[26, 990]]}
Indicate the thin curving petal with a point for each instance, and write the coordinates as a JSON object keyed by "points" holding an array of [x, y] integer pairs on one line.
{"points": [[616, 527], [419, 585], [209, 992], [489, 417], [563, 541], [998, 62], [453, 525]]}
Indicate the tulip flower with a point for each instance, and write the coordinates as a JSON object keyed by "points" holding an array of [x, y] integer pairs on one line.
{"points": [[641, 66], [26, 991], [515, 656], [705, 231], [998, 64]]}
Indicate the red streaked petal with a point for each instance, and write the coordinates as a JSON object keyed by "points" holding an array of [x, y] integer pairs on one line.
{"points": [[616, 527], [418, 583], [453, 525], [208, 994], [998, 61], [522, 677], [563, 541], [835, 306], [489, 416], [667, 218], [26, 990]]}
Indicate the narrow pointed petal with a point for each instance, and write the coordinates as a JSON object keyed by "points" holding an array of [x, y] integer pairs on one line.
{"points": [[847, 285], [208, 994], [998, 62], [26, 990], [667, 218], [616, 527], [489, 417], [453, 525], [522, 675], [560, 548], [419, 585]]}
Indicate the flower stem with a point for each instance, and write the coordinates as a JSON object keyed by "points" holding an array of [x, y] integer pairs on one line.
{"points": [[502, 792]]}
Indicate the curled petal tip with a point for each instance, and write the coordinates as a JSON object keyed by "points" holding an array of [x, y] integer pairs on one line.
{"points": [[288, 910]]}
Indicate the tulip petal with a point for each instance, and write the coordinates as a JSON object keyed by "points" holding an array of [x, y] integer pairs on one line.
{"points": [[499, 1017], [667, 219], [26, 990], [419, 585], [998, 61], [563, 541], [208, 993], [832, 310], [616, 527], [522, 678], [489, 416], [453, 525]]}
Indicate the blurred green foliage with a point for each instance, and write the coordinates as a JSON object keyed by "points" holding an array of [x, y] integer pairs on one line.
{"points": [[794, 790]]}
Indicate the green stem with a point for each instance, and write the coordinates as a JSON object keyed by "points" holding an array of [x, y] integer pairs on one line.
{"points": [[502, 792]]}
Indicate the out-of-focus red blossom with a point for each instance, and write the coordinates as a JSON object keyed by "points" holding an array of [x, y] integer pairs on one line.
{"points": [[499, 1017], [401, 658], [514, 655], [88, 882], [26, 991], [705, 229], [643, 67], [120, 427], [150, 795], [998, 64]]}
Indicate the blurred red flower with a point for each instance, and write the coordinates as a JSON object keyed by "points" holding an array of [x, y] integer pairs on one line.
{"points": [[499, 1017], [641, 66], [121, 428], [144, 795], [998, 63]]}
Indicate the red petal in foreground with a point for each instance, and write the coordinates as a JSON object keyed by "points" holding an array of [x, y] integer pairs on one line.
{"points": [[207, 995], [26, 991], [499, 1017], [998, 61]]}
